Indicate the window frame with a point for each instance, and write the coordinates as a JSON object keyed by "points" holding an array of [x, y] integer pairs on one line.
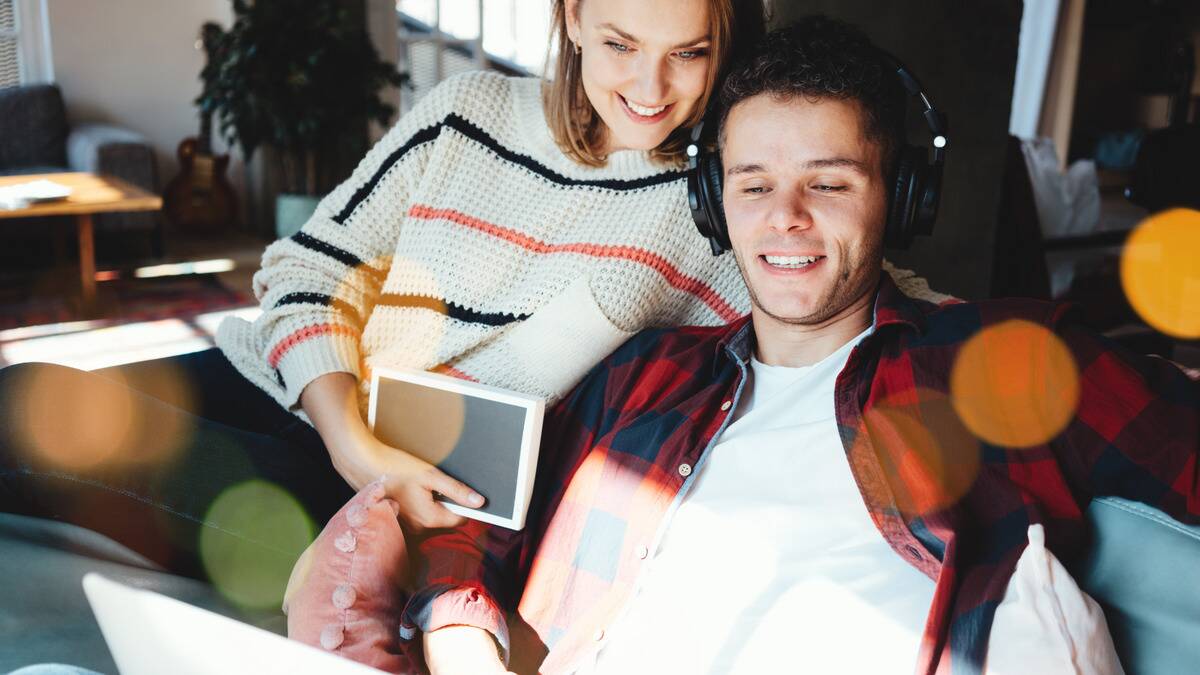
{"points": [[32, 33]]}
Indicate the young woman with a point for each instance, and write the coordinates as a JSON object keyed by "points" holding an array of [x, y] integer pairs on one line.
{"points": [[507, 230]]}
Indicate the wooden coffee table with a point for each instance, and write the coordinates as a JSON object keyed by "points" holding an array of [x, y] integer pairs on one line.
{"points": [[90, 194]]}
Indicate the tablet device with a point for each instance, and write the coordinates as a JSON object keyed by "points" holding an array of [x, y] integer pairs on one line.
{"points": [[484, 436]]}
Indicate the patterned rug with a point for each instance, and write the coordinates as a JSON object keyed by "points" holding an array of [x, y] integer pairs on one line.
{"points": [[125, 301]]}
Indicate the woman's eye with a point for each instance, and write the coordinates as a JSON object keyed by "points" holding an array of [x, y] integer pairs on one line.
{"points": [[617, 47], [691, 54]]}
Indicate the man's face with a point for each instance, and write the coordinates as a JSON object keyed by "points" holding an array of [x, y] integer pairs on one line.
{"points": [[805, 201]]}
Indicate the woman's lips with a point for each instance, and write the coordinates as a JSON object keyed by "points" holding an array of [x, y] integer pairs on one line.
{"points": [[645, 119]]}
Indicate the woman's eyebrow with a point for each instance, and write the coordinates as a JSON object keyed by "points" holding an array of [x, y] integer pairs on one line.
{"points": [[627, 36]]}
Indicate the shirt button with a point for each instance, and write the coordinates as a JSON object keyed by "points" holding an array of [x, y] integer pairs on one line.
{"points": [[598, 635], [685, 469], [912, 550], [642, 552], [726, 405]]}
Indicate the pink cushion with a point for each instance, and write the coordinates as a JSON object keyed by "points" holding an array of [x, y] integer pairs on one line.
{"points": [[345, 593]]}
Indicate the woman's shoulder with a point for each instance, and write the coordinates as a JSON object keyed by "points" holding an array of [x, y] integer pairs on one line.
{"points": [[484, 95]]}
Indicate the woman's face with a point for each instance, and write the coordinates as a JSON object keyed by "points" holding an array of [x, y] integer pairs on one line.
{"points": [[645, 64]]}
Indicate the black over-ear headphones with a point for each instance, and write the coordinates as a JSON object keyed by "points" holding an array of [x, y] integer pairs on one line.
{"points": [[912, 205]]}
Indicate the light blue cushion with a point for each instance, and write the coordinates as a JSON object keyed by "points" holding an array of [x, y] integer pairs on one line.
{"points": [[1144, 570]]}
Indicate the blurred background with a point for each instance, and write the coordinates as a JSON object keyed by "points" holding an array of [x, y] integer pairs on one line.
{"points": [[1071, 122]]}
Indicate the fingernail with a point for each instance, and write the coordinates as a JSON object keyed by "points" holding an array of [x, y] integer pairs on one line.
{"points": [[476, 499]]}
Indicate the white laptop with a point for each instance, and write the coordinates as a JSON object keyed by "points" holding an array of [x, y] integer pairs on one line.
{"points": [[484, 436], [151, 634]]}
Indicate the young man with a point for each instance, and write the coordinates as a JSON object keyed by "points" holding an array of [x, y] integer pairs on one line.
{"points": [[818, 486]]}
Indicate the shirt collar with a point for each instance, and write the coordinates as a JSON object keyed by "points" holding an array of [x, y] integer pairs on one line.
{"points": [[892, 307]]}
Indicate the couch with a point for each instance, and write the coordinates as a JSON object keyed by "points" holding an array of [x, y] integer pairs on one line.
{"points": [[1142, 567], [36, 138]]}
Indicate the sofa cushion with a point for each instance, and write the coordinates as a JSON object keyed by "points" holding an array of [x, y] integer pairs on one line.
{"points": [[1144, 570], [33, 127], [345, 592]]}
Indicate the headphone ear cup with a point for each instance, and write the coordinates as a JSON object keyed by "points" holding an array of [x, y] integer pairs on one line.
{"points": [[901, 207], [711, 173]]}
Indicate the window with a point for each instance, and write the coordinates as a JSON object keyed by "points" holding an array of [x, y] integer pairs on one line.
{"points": [[10, 67], [439, 38], [24, 43]]}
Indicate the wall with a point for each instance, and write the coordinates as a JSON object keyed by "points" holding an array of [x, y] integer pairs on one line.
{"points": [[965, 55], [133, 63]]}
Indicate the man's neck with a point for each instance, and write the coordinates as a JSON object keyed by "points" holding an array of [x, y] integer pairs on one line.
{"points": [[798, 345]]}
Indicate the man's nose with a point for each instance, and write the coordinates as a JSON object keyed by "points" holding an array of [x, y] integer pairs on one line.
{"points": [[791, 212]]}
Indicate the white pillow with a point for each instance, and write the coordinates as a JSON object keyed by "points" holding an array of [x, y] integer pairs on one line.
{"points": [[1046, 624]]}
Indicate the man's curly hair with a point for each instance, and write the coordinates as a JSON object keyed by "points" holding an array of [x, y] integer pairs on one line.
{"points": [[822, 58]]}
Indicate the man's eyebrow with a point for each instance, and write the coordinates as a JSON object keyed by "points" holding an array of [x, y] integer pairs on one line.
{"points": [[738, 169], [827, 163], [837, 163], [627, 36]]}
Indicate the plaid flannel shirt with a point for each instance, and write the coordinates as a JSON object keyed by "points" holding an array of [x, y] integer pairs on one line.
{"points": [[620, 453]]}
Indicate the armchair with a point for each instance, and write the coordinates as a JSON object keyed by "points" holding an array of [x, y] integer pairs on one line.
{"points": [[35, 138]]}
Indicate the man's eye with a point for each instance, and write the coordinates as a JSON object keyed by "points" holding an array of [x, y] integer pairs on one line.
{"points": [[617, 47], [755, 190], [829, 188]]}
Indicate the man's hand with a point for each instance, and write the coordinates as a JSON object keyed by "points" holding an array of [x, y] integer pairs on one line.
{"points": [[466, 650], [360, 458]]}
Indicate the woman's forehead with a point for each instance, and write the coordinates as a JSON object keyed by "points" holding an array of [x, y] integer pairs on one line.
{"points": [[668, 22]]}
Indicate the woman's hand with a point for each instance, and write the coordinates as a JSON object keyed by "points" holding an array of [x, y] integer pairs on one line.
{"points": [[413, 483], [332, 404]]}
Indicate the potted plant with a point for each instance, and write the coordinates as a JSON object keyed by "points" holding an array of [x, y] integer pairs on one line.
{"points": [[302, 77]]}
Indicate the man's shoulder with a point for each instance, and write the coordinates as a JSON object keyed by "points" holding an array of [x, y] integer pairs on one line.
{"points": [[957, 321], [682, 344]]}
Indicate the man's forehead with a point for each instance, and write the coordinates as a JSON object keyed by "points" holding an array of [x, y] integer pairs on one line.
{"points": [[768, 129]]}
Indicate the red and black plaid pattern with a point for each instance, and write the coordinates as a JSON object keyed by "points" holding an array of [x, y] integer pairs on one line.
{"points": [[621, 451]]}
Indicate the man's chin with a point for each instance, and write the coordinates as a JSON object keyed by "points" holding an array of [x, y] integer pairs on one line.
{"points": [[794, 316]]}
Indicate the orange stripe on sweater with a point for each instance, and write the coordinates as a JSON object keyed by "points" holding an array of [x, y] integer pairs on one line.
{"points": [[452, 372], [654, 261], [307, 333]]}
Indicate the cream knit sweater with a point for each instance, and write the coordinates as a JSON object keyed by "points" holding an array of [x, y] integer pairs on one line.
{"points": [[466, 239]]}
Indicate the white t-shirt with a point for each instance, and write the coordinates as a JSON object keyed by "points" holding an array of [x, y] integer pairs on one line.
{"points": [[771, 563]]}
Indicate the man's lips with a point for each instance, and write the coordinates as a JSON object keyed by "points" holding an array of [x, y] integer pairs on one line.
{"points": [[790, 263]]}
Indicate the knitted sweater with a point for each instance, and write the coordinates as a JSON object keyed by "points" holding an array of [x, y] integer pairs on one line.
{"points": [[467, 240]]}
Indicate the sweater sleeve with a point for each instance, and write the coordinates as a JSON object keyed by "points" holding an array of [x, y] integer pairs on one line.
{"points": [[318, 287]]}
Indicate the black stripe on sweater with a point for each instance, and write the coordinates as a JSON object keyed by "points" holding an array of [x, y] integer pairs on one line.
{"points": [[345, 308], [341, 255], [466, 128], [450, 309]]}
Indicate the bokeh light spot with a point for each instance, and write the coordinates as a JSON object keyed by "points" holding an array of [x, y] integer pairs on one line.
{"points": [[1160, 272], [254, 532], [929, 459], [1015, 384], [427, 423], [71, 420]]}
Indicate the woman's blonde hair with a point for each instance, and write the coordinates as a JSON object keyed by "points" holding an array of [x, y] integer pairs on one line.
{"points": [[577, 126]]}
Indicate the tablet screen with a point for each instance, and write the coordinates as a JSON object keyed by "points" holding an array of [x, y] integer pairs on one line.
{"points": [[475, 440]]}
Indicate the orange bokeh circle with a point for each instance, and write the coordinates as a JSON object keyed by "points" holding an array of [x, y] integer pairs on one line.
{"points": [[1160, 272], [1015, 384]]}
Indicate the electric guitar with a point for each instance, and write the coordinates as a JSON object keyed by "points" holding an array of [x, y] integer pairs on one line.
{"points": [[200, 199]]}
